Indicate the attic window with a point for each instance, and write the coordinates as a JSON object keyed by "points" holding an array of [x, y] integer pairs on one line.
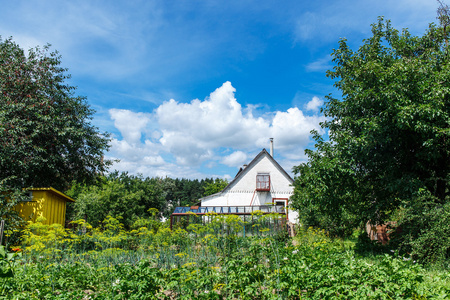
{"points": [[263, 182]]}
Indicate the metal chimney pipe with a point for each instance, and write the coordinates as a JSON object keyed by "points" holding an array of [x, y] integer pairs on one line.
{"points": [[271, 147]]}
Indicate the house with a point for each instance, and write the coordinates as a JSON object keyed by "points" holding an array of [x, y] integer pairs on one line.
{"points": [[44, 202], [263, 182], [262, 185]]}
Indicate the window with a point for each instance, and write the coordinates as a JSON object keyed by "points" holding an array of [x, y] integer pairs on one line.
{"points": [[263, 182], [28, 198], [280, 205]]}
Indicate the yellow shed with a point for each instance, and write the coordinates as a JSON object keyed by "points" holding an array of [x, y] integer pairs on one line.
{"points": [[46, 202]]}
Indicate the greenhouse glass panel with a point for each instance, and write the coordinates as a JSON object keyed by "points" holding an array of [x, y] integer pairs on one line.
{"points": [[233, 210]]}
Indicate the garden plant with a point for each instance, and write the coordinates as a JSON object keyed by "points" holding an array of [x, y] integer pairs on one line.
{"points": [[151, 261]]}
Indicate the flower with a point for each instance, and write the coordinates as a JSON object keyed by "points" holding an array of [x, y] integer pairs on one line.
{"points": [[116, 282], [17, 249], [295, 251], [285, 258]]}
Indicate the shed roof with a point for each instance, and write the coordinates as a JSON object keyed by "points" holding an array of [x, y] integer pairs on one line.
{"points": [[53, 191]]}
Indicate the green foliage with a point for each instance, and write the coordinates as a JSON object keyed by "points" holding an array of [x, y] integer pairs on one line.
{"points": [[424, 230], [44, 128], [186, 192], [215, 187], [322, 195], [388, 135], [393, 121], [6, 265], [179, 265], [130, 196], [127, 196], [9, 198]]}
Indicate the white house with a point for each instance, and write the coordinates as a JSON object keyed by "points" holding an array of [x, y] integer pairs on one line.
{"points": [[262, 182]]}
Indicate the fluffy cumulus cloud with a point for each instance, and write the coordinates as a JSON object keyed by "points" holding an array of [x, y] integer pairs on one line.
{"points": [[215, 122], [188, 135], [292, 129], [130, 124], [236, 158], [314, 105]]}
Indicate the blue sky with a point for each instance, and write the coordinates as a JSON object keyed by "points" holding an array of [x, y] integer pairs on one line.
{"points": [[195, 89]]}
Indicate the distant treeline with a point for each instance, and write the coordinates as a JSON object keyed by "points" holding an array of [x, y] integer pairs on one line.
{"points": [[130, 197]]}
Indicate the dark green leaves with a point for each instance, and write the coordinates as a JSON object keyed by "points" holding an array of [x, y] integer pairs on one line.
{"points": [[389, 133], [45, 131]]}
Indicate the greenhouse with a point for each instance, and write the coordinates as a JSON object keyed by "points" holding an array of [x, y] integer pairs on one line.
{"points": [[248, 220]]}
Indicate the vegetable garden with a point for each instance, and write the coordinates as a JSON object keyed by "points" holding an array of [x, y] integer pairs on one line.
{"points": [[150, 261]]}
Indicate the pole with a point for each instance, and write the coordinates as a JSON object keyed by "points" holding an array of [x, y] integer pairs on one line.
{"points": [[2, 226]]}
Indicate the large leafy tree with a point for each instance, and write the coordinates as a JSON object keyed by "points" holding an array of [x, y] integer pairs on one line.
{"points": [[46, 136], [388, 134]]}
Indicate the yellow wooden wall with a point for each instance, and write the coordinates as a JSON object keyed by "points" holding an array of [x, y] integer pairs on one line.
{"points": [[46, 204]]}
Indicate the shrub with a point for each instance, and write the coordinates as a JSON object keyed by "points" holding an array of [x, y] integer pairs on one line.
{"points": [[9, 198], [424, 230]]}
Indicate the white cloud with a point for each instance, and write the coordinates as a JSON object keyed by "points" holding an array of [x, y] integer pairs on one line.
{"points": [[291, 129], [235, 159], [194, 133], [129, 124], [215, 122], [314, 104]]}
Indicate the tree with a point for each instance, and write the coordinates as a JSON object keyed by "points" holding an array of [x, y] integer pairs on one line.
{"points": [[326, 193], [45, 131], [124, 195], [389, 134], [214, 187]]}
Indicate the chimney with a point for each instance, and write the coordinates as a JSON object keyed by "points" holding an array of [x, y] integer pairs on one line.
{"points": [[271, 147]]}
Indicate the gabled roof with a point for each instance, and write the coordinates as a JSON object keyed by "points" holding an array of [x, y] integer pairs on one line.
{"points": [[53, 191], [241, 171]]}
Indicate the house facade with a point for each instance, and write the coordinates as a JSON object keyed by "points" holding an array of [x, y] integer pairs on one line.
{"points": [[263, 182]]}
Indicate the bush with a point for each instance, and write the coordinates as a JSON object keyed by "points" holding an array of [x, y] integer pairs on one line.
{"points": [[365, 246], [424, 230], [9, 198]]}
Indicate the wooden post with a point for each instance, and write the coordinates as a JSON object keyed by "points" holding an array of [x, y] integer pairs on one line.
{"points": [[2, 227]]}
